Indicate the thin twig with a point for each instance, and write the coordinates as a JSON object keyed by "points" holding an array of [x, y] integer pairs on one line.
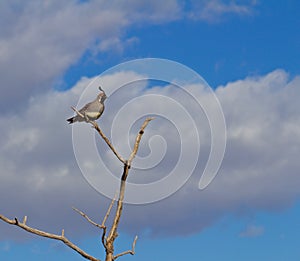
{"points": [[102, 226], [48, 235], [96, 126], [131, 252], [138, 139], [77, 112], [104, 220], [87, 218], [109, 209]]}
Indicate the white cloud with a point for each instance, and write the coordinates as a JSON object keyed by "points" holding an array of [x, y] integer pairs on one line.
{"points": [[214, 10], [40, 40], [259, 172]]}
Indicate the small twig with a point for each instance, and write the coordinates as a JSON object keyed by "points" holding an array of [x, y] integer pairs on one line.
{"points": [[109, 209], [131, 252], [49, 235], [96, 126], [138, 139], [77, 112], [87, 218], [24, 220], [105, 218]]}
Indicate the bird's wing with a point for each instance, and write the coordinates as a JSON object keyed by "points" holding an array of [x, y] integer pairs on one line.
{"points": [[84, 108]]}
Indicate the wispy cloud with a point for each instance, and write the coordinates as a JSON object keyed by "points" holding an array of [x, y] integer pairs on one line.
{"points": [[215, 10], [252, 231]]}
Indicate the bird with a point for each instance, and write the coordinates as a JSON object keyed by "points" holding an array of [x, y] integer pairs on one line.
{"points": [[92, 110]]}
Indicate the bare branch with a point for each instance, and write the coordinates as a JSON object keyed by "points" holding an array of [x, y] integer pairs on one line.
{"points": [[138, 140], [87, 218], [109, 242], [131, 252], [96, 126], [109, 209], [77, 112], [48, 235], [103, 237], [113, 232], [102, 226]]}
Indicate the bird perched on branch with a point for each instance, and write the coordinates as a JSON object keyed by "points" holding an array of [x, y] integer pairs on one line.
{"points": [[91, 111]]}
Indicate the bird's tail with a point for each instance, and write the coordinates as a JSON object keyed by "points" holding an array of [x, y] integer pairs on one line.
{"points": [[71, 120]]}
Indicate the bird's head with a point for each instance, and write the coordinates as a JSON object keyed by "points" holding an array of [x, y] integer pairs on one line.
{"points": [[101, 97]]}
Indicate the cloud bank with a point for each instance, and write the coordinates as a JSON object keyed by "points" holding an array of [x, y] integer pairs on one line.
{"points": [[39, 41], [260, 172]]}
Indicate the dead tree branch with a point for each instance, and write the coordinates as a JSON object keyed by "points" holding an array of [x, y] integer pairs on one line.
{"points": [[87, 218], [108, 242], [131, 252], [138, 140], [48, 235], [96, 127], [113, 231], [109, 210]]}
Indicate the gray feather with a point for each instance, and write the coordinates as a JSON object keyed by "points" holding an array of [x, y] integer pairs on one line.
{"points": [[93, 110]]}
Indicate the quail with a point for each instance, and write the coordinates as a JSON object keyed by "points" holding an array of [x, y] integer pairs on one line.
{"points": [[92, 110]]}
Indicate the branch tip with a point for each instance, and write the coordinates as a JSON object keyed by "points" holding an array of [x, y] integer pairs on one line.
{"points": [[87, 218], [24, 220], [131, 252]]}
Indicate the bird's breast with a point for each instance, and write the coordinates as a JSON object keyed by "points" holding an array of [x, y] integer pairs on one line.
{"points": [[93, 114]]}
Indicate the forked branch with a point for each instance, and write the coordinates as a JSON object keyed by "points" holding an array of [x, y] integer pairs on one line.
{"points": [[131, 252], [108, 242], [113, 231]]}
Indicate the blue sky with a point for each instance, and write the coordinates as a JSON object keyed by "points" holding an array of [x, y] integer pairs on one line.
{"points": [[247, 51], [257, 43]]}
